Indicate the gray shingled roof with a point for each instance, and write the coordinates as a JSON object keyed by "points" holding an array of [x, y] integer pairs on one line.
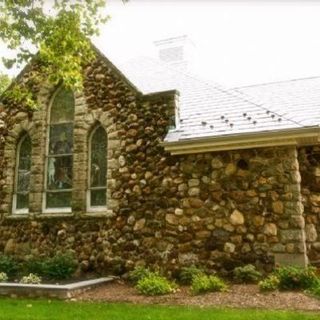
{"points": [[297, 100], [206, 110]]}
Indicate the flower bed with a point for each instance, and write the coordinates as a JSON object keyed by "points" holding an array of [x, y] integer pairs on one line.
{"points": [[58, 291]]}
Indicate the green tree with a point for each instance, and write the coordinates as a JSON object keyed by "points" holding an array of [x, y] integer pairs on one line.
{"points": [[55, 33], [4, 82]]}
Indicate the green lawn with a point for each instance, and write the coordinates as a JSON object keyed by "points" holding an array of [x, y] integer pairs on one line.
{"points": [[41, 309]]}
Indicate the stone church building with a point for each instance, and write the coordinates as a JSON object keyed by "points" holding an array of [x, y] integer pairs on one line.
{"points": [[151, 165]]}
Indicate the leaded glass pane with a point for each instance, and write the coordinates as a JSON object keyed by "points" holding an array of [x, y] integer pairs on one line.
{"points": [[23, 180], [98, 198], [58, 199], [61, 139], [62, 109], [60, 149], [98, 158], [25, 154], [23, 173], [22, 201], [59, 173]]}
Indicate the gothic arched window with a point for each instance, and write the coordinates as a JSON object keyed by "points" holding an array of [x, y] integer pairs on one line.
{"points": [[22, 175], [97, 186], [60, 151]]}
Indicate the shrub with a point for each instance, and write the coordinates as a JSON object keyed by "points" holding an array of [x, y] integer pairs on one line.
{"points": [[296, 278], [270, 283], [31, 279], [3, 277], [59, 267], [153, 284], [8, 265], [35, 266], [203, 283], [139, 273], [188, 273], [247, 274], [315, 289]]}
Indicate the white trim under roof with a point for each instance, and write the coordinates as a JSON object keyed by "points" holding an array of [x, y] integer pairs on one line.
{"points": [[288, 137]]}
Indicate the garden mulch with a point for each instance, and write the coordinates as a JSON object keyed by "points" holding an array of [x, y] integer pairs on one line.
{"points": [[238, 296]]}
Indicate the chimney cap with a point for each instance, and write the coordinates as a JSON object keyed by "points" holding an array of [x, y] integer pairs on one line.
{"points": [[171, 40]]}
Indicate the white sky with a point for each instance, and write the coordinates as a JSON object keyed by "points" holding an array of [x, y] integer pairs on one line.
{"points": [[237, 42]]}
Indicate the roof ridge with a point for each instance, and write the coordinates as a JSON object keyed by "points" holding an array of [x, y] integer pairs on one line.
{"points": [[275, 82]]}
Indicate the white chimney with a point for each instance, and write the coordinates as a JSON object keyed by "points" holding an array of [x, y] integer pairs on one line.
{"points": [[178, 52]]}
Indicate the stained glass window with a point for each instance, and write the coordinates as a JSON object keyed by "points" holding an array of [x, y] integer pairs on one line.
{"points": [[98, 168], [62, 109], [60, 149], [23, 174]]}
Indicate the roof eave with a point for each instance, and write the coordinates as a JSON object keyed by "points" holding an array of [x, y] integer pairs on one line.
{"points": [[286, 137]]}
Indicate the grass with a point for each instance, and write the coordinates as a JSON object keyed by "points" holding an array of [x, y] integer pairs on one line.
{"points": [[11, 309]]}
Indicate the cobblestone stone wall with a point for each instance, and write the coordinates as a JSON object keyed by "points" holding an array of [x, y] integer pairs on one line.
{"points": [[309, 159], [215, 209]]}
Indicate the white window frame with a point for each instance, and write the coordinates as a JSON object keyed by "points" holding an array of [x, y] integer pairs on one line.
{"points": [[90, 208], [14, 198], [44, 195]]}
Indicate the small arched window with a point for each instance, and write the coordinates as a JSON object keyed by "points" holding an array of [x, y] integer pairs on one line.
{"points": [[22, 176], [97, 186], [59, 152]]}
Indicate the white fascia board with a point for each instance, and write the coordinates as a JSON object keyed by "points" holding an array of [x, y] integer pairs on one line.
{"points": [[298, 137]]}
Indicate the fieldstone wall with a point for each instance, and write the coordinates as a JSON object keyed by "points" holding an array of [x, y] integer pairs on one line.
{"points": [[309, 159], [219, 210]]}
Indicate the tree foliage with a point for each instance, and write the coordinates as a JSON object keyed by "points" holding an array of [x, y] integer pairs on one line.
{"points": [[4, 82], [58, 31]]}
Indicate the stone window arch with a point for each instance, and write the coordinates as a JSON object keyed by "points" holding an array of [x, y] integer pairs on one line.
{"points": [[22, 175], [97, 169], [59, 152]]}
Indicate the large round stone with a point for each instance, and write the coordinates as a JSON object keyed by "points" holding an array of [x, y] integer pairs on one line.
{"points": [[311, 232], [139, 224], [236, 218], [229, 247], [270, 229], [172, 219], [277, 207]]}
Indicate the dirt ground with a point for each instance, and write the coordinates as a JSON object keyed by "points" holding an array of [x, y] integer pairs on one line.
{"points": [[238, 296]]}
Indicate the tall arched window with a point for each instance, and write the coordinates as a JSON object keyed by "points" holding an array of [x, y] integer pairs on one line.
{"points": [[22, 176], [97, 189], [59, 152]]}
